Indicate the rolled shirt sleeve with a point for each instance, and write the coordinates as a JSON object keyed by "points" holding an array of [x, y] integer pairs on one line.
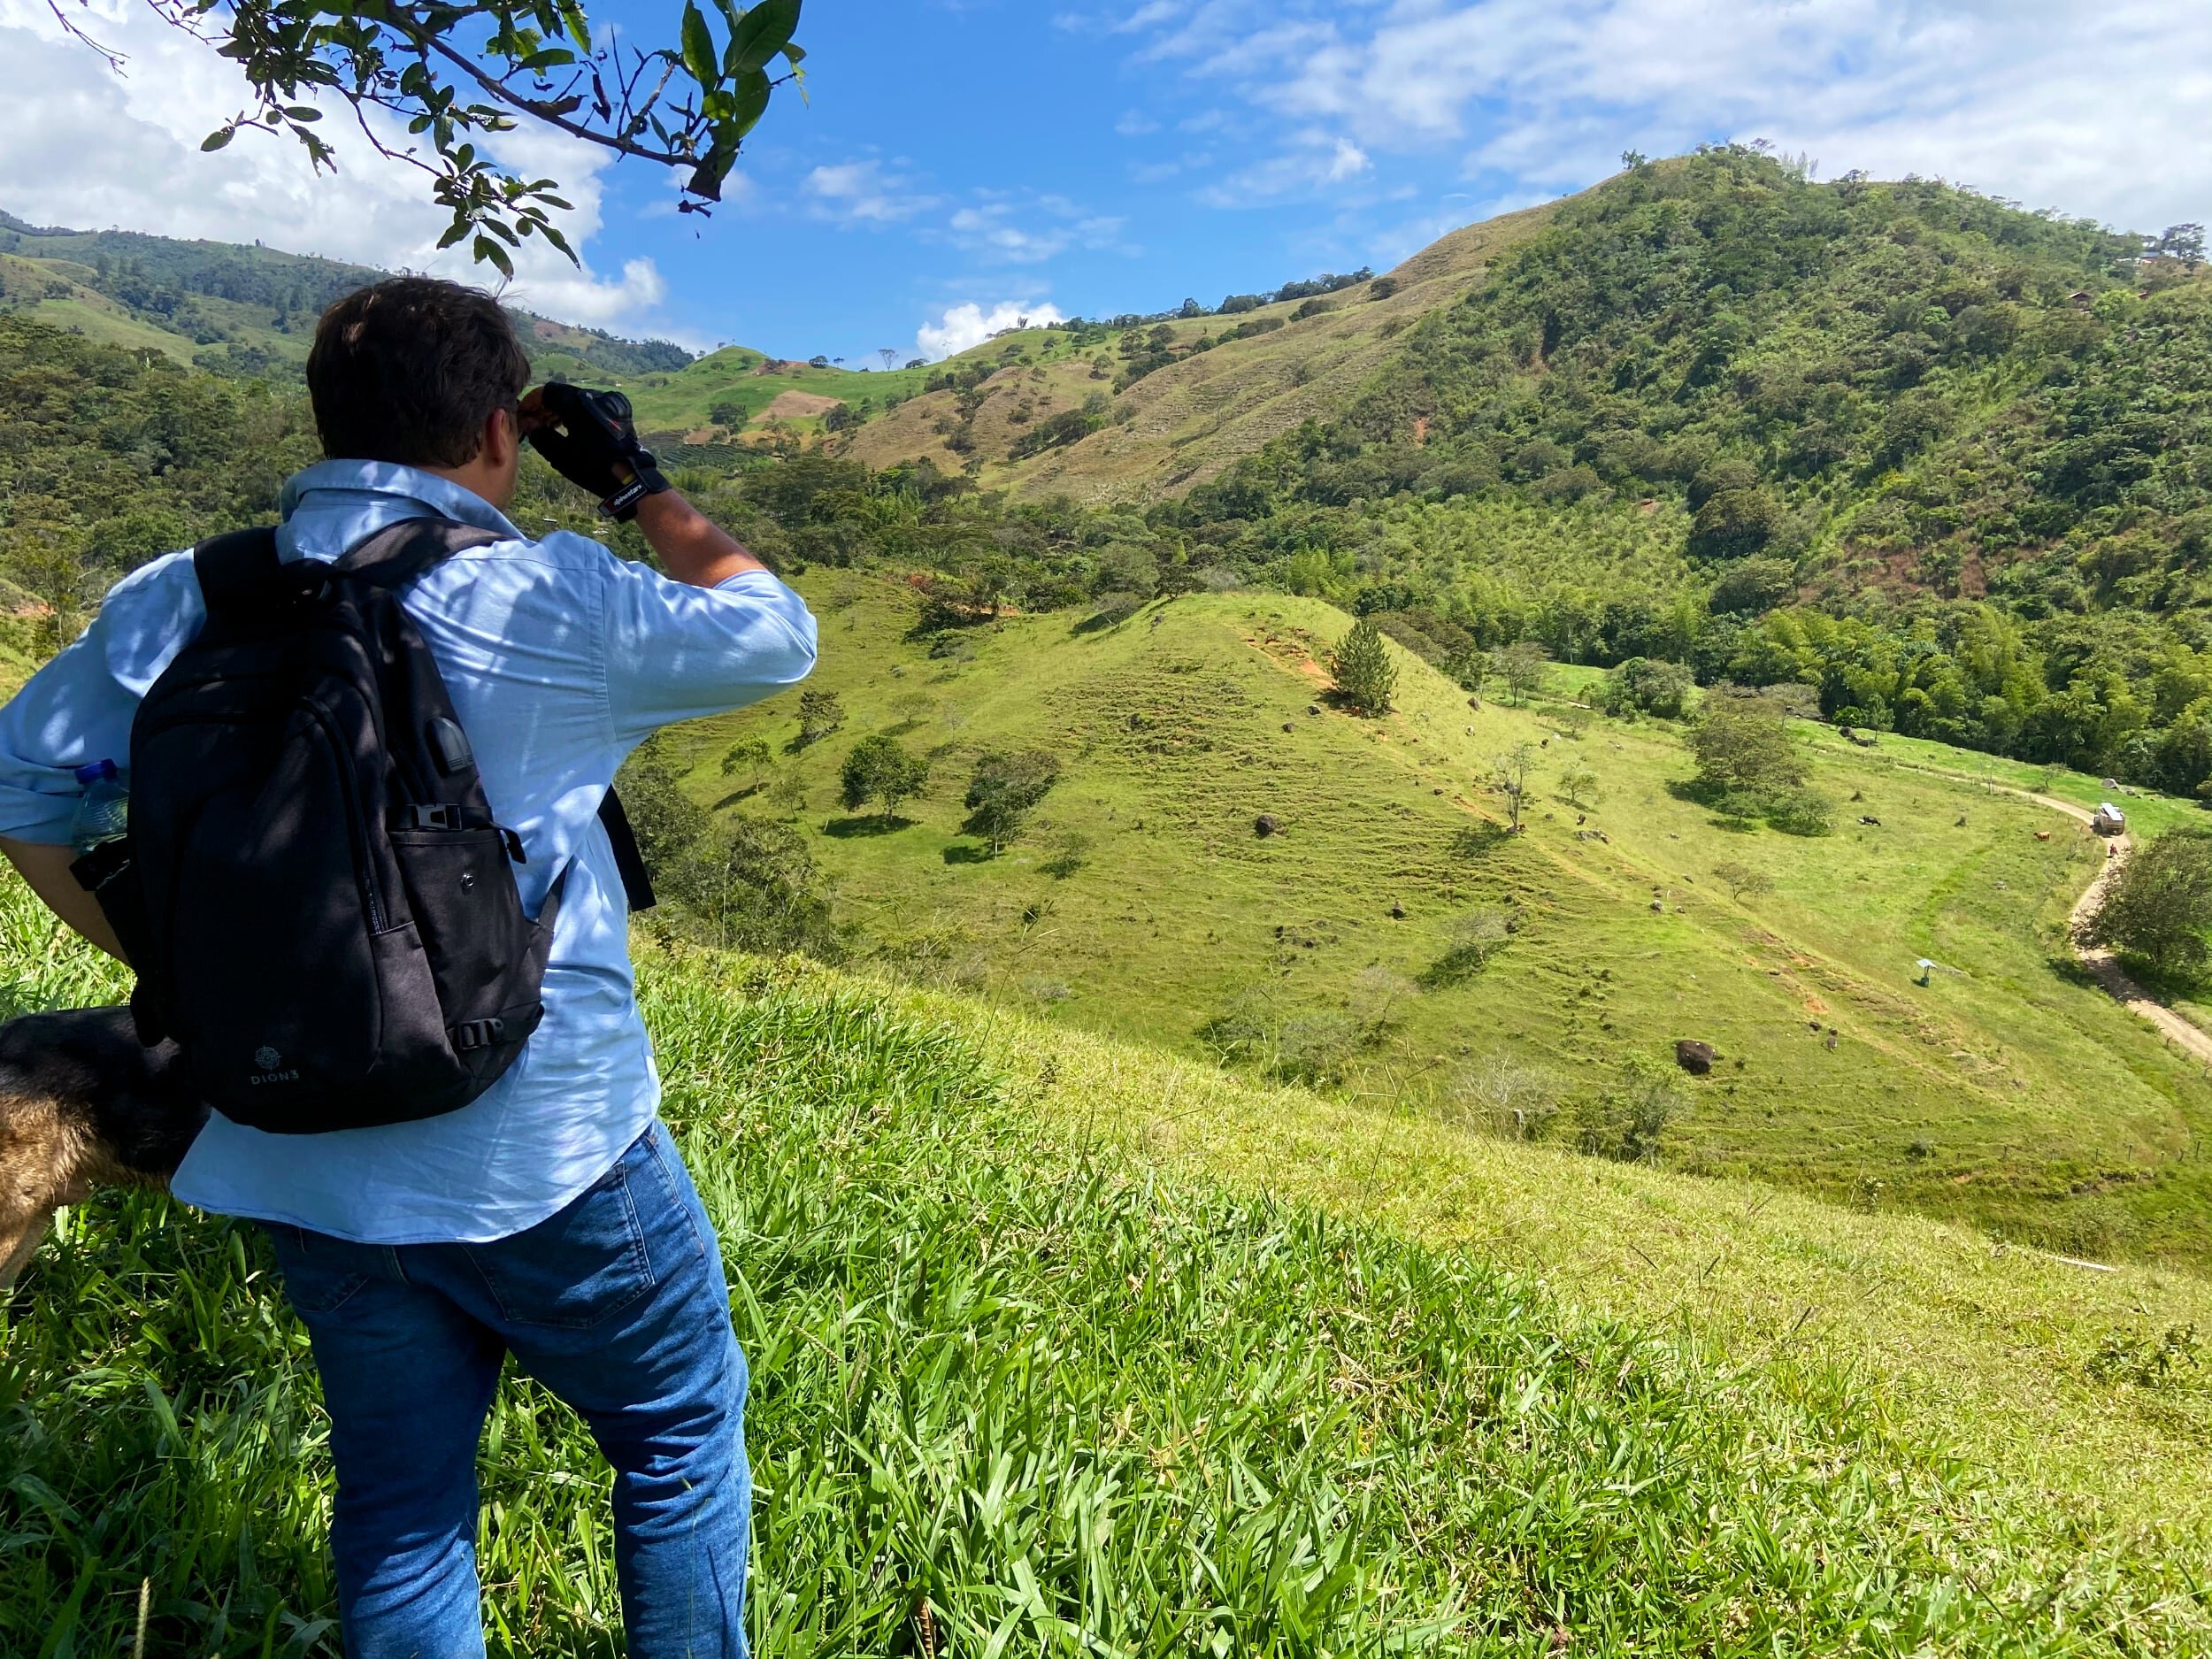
{"points": [[676, 652], [78, 709]]}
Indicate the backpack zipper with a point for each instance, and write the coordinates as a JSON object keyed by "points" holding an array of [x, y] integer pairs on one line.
{"points": [[363, 862]]}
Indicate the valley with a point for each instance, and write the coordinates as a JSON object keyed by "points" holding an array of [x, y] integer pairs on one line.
{"points": [[2009, 1091]]}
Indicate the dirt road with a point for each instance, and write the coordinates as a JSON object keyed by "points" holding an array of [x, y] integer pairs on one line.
{"points": [[2100, 963]]}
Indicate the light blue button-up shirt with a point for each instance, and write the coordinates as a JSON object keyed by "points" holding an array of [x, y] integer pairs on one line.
{"points": [[560, 660]]}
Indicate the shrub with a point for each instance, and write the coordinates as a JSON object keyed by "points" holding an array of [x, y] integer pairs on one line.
{"points": [[1472, 941], [1644, 685], [820, 713], [1005, 790], [1629, 1121]]}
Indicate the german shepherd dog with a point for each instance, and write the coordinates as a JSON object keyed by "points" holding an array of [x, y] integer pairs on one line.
{"points": [[83, 1104]]}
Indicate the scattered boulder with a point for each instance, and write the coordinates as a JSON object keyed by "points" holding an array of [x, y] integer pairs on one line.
{"points": [[1397, 909], [1265, 826], [1876, 822], [1694, 1057], [1474, 702], [1313, 707], [1290, 725]]}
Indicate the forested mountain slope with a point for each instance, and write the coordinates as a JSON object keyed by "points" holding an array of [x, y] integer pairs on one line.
{"points": [[238, 310]]}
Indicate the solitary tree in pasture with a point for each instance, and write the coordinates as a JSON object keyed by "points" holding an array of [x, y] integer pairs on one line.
{"points": [[1578, 784], [1512, 773], [880, 769], [1741, 745], [820, 713], [754, 754], [1365, 677], [1526, 668], [1741, 879], [1004, 791]]}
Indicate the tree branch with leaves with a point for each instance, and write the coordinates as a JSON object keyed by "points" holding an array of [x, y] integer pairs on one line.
{"points": [[458, 73]]}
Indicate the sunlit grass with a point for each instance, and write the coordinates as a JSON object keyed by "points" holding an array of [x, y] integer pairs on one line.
{"points": [[1009, 1369]]}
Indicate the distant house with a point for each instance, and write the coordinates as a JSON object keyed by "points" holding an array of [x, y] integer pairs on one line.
{"points": [[2109, 821]]}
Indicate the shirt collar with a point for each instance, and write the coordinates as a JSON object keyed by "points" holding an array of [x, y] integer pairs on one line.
{"points": [[378, 493]]}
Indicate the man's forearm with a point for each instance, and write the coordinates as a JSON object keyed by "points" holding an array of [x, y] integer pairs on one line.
{"points": [[46, 870], [692, 546]]}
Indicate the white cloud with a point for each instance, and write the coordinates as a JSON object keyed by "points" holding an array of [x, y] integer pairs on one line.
{"points": [[1315, 162], [1030, 229], [961, 327], [82, 147], [863, 193], [2091, 105]]}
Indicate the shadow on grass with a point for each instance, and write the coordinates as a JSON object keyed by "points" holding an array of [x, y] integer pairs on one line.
{"points": [[744, 794], [963, 854], [845, 829], [1480, 839]]}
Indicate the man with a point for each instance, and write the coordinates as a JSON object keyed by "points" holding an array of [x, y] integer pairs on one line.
{"points": [[551, 1218]]}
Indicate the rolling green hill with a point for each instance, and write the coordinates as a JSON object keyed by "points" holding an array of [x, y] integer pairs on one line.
{"points": [[1231, 383], [1143, 903]]}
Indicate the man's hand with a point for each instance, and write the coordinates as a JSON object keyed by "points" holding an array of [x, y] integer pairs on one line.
{"points": [[591, 441], [46, 870]]}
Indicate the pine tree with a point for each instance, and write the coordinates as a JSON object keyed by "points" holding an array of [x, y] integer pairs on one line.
{"points": [[1364, 676]]}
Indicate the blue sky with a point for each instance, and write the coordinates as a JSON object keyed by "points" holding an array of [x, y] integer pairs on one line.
{"points": [[965, 161]]}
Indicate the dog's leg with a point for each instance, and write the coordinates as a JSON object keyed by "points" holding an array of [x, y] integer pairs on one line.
{"points": [[21, 1243], [44, 1163]]}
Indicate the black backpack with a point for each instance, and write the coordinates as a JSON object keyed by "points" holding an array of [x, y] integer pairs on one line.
{"points": [[321, 912]]}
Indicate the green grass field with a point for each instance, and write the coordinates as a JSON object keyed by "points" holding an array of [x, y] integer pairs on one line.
{"points": [[1046, 1340], [2008, 1093], [683, 400]]}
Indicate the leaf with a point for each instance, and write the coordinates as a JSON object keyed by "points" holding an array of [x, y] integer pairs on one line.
{"points": [[216, 139], [302, 111], [747, 105], [795, 54], [578, 30], [459, 229], [698, 45], [489, 252], [553, 235], [763, 31]]}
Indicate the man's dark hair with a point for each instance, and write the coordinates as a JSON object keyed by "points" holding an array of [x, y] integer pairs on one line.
{"points": [[408, 370]]}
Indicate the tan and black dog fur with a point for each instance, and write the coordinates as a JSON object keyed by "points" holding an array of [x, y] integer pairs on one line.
{"points": [[83, 1104]]}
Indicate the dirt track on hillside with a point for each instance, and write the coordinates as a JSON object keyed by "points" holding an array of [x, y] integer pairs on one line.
{"points": [[2102, 966]]}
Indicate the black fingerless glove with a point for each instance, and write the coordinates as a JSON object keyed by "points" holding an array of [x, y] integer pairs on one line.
{"points": [[595, 439]]}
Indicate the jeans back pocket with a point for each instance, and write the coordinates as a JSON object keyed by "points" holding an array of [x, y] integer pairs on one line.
{"points": [[577, 1267]]}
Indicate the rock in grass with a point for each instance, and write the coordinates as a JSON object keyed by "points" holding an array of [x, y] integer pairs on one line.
{"points": [[1694, 1056], [1265, 826]]}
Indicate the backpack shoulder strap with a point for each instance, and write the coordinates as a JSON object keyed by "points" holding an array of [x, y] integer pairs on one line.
{"points": [[231, 565], [637, 887], [396, 555]]}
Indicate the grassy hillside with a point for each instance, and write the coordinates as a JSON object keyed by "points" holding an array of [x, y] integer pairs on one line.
{"points": [[1256, 375], [688, 398], [1143, 903], [1021, 1373]]}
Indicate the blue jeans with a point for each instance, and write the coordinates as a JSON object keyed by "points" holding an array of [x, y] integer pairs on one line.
{"points": [[618, 1304]]}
